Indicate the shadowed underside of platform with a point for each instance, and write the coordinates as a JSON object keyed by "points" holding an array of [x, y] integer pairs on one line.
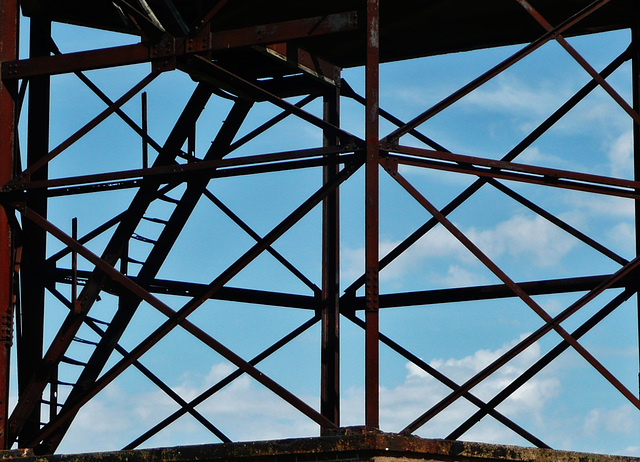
{"points": [[409, 28]]}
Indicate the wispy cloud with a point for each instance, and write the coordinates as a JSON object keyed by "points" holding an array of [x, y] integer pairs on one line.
{"points": [[620, 155], [511, 95], [528, 238], [246, 411]]}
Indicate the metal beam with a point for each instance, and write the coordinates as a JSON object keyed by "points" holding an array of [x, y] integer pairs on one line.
{"points": [[330, 307], [145, 52], [372, 231], [635, 83], [557, 178], [30, 338], [9, 20]]}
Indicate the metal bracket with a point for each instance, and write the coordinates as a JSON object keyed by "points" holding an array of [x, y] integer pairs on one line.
{"points": [[163, 54]]}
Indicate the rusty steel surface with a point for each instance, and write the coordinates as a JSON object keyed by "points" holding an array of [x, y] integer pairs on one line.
{"points": [[9, 20], [239, 56]]}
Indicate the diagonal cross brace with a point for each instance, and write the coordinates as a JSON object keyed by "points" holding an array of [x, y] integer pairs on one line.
{"points": [[150, 268], [179, 317], [551, 322]]}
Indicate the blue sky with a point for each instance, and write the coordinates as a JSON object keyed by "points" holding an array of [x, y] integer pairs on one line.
{"points": [[568, 405]]}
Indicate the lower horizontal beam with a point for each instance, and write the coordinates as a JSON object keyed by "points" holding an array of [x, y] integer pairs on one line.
{"points": [[308, 302], [189, 289], [478, 293]]}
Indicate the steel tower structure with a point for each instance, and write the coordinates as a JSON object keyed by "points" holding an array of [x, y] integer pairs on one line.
{"points": [[285, 54]]}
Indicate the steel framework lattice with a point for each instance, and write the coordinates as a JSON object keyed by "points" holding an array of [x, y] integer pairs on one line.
{"points": [[243, 55]]}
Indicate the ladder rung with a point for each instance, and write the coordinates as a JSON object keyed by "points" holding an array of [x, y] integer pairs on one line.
{"points": [[48, 403], [140, 238], [155, 220], [73, 362], [97, 321], [65, 384], [186, 156], [85, 341], [166, 198], [133, 260]]}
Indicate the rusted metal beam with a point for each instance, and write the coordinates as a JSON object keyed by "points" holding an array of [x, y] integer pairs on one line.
{"points": [[79, 61], [285, 31], [635, 85], [635, 88], [205, 168], [30, 338], [170, 48], [206, 18], [488, 292], [9, 20], [372, 231], [330, 307], [596, 184], [191, 289], [299, 60]]}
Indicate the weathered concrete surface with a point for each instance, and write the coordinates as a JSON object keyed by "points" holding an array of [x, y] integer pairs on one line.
{"points": [[351, 446]]}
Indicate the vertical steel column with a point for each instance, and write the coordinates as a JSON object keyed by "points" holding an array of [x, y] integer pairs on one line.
{"points": [[330, 310], [33, 268], [372, 265], [9, 19], [635, 76]]}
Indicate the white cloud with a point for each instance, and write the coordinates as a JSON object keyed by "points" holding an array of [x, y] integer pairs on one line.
{"points": [[511, 95], [616, 421], [246, 411], [623, 236], [532, 101], [620, 155], [458, 276], [632, 451], [243, 410], [523, 238], [603, 206], [533, 156], [402, 404]]}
